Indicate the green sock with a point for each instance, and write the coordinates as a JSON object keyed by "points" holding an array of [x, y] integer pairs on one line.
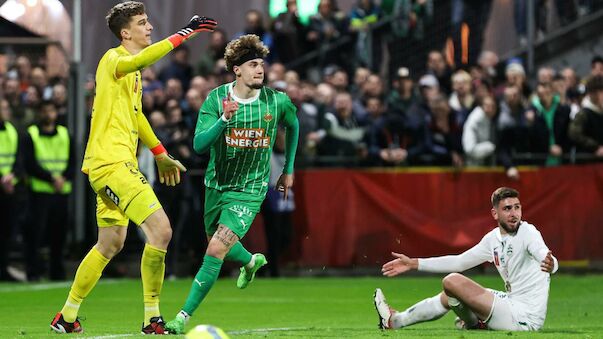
{"points": [[204, 280], [238, 254]]}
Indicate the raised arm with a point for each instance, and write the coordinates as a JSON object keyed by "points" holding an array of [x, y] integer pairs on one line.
{"points": [[210, 124], [446, 264], [154, 52]]}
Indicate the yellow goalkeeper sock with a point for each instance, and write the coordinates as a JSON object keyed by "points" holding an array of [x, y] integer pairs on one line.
{"points": [[86, 277], [152, 269]]}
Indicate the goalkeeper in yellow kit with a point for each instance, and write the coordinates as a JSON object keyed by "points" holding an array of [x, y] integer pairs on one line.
{"points": [[123, 193]]}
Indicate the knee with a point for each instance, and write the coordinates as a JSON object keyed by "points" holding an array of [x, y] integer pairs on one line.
{"points": [[110, 248], [451, 282], [216, 249], [163, 234]]}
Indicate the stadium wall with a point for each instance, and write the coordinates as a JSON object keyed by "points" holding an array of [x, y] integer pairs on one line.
{"points": [[352, 218]]}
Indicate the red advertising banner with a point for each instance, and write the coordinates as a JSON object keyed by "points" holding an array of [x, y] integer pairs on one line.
{"points": [[348, 218]]}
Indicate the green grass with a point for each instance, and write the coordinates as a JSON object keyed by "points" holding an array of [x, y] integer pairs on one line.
{"points": [[289, 308]]}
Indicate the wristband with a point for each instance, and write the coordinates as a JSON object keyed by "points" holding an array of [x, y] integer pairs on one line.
{"points": [[158, 149]]}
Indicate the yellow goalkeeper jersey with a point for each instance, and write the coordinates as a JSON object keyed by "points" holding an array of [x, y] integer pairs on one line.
{"points": [[114, 126]]}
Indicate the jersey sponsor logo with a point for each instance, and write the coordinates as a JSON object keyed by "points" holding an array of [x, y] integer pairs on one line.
{"points": [[111, 195], [241, 210], [248, 138], [243, 223], [200, 283]]}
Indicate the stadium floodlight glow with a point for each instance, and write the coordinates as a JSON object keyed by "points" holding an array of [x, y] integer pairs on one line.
{"points": [[32, 3], [12, 10]]}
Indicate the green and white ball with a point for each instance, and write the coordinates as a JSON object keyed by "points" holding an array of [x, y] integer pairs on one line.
{"points": [[206, 332]]}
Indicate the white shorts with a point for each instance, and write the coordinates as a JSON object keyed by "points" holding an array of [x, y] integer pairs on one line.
{"points": [[506, 315]]}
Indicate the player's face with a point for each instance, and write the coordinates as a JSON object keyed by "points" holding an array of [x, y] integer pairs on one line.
{"points": [[140, 30], [251, 73], [508, 214]]}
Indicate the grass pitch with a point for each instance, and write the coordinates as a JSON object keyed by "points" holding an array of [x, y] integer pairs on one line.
{"points": [[289, 308]]}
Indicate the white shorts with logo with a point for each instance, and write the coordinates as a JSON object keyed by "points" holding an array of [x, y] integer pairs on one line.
{"points": [[506, 315]]}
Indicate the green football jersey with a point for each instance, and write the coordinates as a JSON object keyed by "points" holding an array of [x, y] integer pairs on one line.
{"points": [[240, 157]]}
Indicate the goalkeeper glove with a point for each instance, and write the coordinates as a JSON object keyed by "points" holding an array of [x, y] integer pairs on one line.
{"points": [[168, 167], [196, 25]]}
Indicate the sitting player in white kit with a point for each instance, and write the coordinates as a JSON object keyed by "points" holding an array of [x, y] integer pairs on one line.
{"points": [[522, 259]]}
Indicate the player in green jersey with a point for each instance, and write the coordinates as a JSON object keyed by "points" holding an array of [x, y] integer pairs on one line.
{"points": [[238, 124]]}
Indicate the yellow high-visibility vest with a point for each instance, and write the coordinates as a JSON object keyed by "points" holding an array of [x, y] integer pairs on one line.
{"points": [[52, 153]]}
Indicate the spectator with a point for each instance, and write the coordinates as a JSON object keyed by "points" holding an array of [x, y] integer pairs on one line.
{"points": [[50, 163], [214, 52], [59, 99], [509, 129], [289, 34], [254, 24], [277, 212], [386, 136], [479, 136], [547, 126], [361, 74], [596, 65], [174, 90], [403, 94], [443, 137], [327, 26], [9, 173], [343, 134], [193, 105], [586, 130], [436, 65], [178, 68], [516, 76], [474, 13], [461, 99], [368, 43]]}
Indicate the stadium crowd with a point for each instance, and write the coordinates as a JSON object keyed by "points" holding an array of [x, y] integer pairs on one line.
{"points": [[483, 113]]}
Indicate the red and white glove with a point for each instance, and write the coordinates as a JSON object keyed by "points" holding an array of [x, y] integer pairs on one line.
{"points": [[168, 167], [196, 25]]}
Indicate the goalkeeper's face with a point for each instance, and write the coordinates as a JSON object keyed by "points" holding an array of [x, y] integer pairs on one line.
{"points": [[251, 73], [140, 30], [508, 214]]}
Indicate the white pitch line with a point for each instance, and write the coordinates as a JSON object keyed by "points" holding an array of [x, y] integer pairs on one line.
{"points": [[112, 336], [273, 329]]}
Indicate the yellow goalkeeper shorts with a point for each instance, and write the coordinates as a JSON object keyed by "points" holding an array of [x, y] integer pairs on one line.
{"points": [[122, 193]]}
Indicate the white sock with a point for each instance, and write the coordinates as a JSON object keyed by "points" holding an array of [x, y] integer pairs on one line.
{"points": [[463, 312], [183, 315], [251, 263], [425, 310]]}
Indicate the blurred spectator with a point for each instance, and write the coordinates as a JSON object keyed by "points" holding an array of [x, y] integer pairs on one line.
{"points": [[572, 83], [277, 212], [479, 135], [586, 130], [178, 68], [410, 18], [9, 174], [202, 85], [276, 72], [289, 34], [516, 76], [174, 90], [339, 80], [368, 44], [50, 163], [326, 26], [475, 14], [23, 66], [548, 123], [596, 65], [40, 81], [59, 99], [403, 94], [385, 136], [361, 74], [343, 134], [489, 61], [546, 74], [193, 105], [443, 138], [254, 24], [509, 129], [214, 52], [436, 65], [309, 116], [462, 99]]}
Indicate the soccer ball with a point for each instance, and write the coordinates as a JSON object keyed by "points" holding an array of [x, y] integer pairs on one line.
{"points": [[206, 332]]}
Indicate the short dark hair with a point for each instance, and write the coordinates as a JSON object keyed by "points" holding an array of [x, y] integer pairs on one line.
{"points": [[595, 60], [503, 193], [594, 84], [119, 16]]}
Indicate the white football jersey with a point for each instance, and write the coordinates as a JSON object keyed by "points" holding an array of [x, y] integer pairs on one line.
{"points": [[517, 258]]}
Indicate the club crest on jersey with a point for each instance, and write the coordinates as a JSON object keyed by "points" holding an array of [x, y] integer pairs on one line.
{"points": [[267, 116], [509, 251], [248, 138]]}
